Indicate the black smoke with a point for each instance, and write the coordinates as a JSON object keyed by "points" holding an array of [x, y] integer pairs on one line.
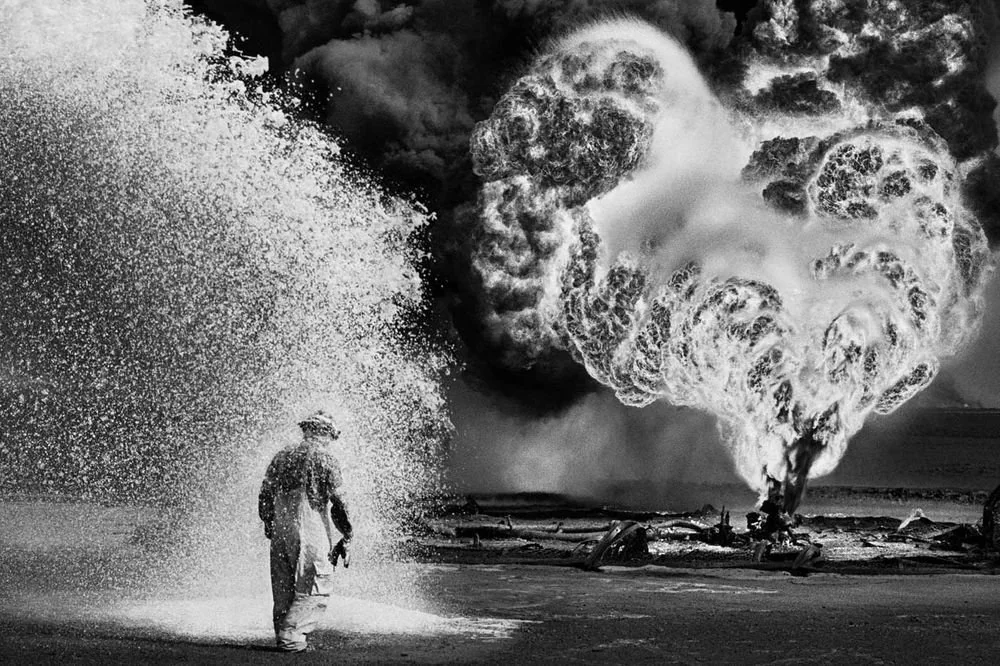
{"points": [[932, 55], [405, 84]]}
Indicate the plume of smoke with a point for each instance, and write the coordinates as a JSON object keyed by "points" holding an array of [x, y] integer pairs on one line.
{"points": [[699, 25], [407, 79], [580, 121], [401, 88], [790, 328], [404, 83], [894, 55], [597, 449], [817, 62]]}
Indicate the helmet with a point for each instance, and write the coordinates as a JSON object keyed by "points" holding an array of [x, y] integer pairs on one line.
{"points": [[320, 423]]}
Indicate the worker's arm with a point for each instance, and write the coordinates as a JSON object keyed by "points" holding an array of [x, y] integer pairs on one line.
{"points": [[338, 515], [265, 501], [334, 480], [338, 512]]}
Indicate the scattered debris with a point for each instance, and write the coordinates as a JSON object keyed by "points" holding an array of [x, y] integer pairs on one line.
{"points": [[623, 542], [771, 523], [626, 541], [991, 520], [958, 538], [721, 534], [471, 507], [773, 540], [807, 557], [918, 514]]}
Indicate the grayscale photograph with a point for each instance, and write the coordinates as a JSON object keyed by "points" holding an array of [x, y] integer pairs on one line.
{"points": [[499, 332]]}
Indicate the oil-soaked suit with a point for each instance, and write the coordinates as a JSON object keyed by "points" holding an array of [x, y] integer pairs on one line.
{"points": [[297, 501]]}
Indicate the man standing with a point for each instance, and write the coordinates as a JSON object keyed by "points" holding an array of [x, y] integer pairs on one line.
{"points": [[298, 501]]}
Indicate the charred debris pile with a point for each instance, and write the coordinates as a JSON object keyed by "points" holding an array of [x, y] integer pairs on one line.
{"points": [[556, 533]]}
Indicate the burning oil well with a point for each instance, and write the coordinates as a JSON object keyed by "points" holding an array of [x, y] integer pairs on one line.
{"points": [[790, 256]]}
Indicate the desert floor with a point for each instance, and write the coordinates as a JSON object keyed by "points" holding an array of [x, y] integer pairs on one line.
{"points": [[482, 603]]}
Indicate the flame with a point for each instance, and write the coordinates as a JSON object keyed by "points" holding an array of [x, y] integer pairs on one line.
{"points": [[791, 316]]}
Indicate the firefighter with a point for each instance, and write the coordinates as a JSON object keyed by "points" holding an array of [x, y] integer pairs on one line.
{"points": [[300, 506]]}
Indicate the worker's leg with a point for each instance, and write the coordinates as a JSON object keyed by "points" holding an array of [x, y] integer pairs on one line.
{"points": [[282, 580], [313, 584]]}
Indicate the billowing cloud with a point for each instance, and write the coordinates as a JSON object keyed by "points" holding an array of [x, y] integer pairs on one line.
{"points": [[401, 90], [840, 271], [407, 80]]}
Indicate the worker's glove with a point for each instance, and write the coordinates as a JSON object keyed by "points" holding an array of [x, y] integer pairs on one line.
{"points": [[341, 550]]}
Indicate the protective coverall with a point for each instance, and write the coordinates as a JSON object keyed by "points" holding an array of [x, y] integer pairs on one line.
{"points": [[297, 502]]}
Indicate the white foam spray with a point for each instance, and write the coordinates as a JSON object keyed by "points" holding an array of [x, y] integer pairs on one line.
{"points": [[188, 271]]}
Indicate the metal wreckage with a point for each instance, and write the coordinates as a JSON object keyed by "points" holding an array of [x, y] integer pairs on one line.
{"points": [[549, 530]]}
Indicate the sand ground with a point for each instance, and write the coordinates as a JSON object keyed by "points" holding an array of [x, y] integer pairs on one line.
{"points": [[648, 615], [55, 607]]}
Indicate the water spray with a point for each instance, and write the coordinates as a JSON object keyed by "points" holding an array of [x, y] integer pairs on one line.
{"points": [[188, 269]]}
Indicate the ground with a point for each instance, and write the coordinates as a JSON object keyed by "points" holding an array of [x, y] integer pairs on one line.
{"points": [[648, 615], [482, 603]]}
